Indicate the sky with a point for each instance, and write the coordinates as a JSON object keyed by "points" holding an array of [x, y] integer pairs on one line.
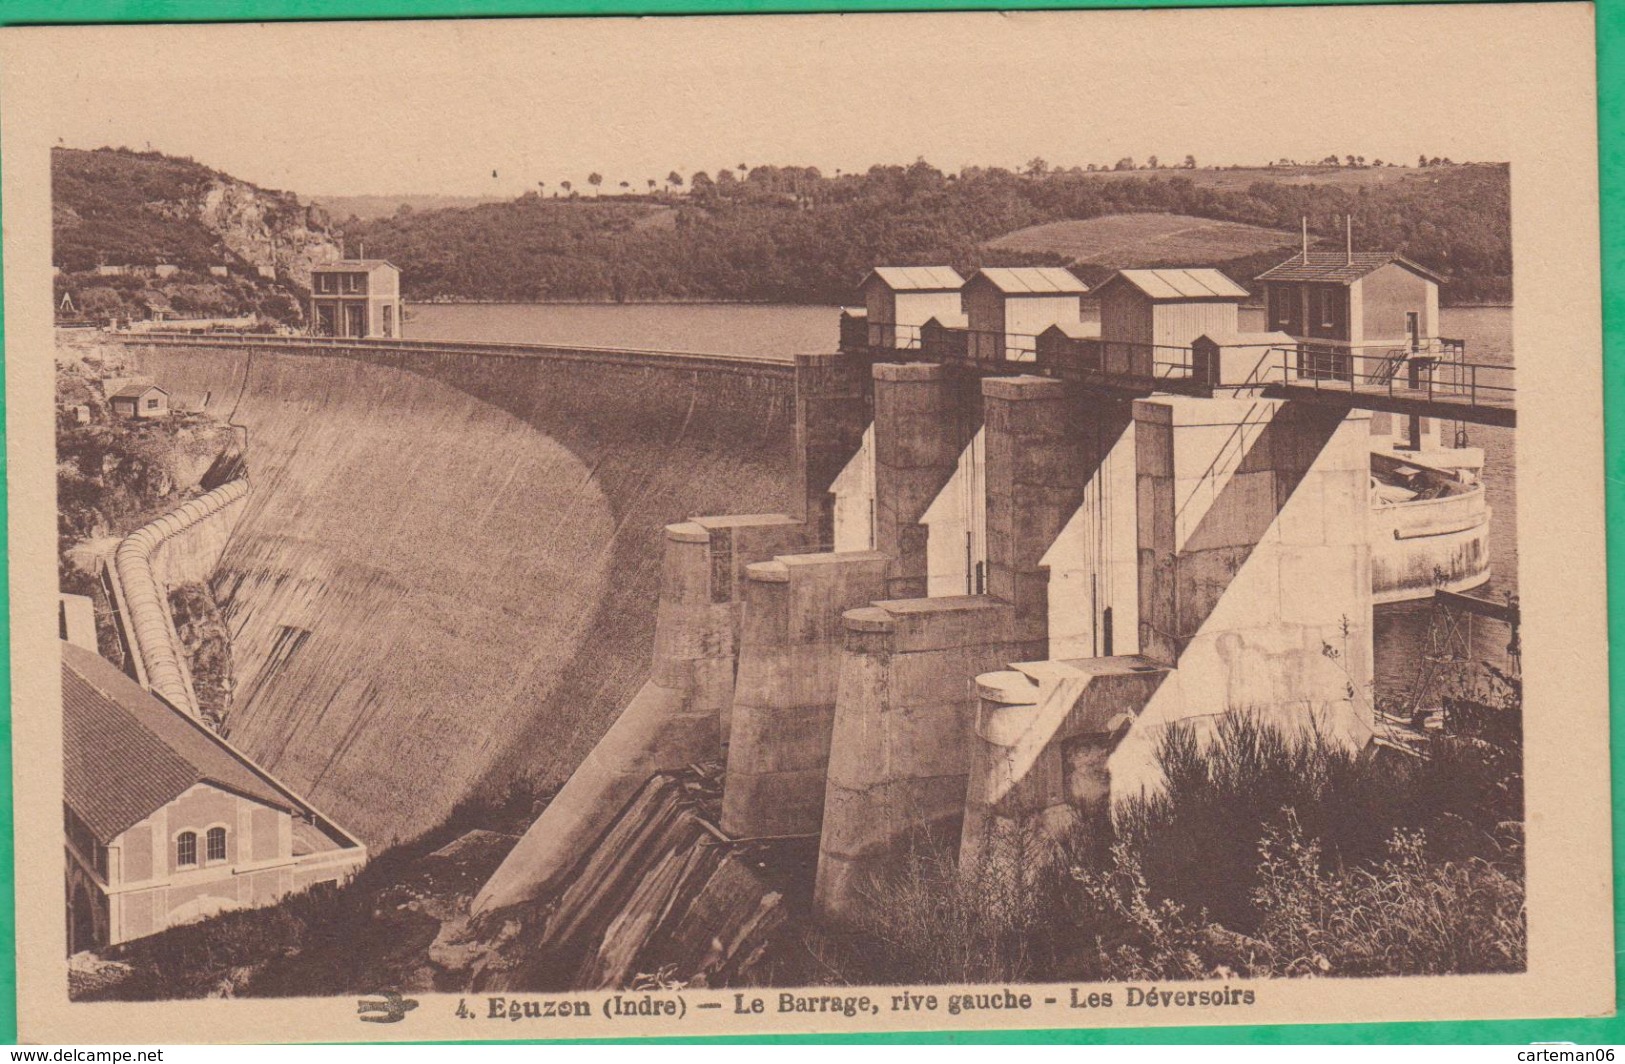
{"points": [[492, 107]]}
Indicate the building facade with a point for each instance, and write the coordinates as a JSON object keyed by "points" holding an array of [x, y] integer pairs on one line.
{"points": [[1358, 310], [140, 402], [356, 299], [166, 823]]}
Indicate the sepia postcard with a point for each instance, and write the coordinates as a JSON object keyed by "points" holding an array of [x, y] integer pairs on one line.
{"points": [[604, 527]]}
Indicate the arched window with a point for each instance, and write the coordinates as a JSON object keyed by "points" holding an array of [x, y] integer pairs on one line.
{"points": [[217, 844], [186, 848]]}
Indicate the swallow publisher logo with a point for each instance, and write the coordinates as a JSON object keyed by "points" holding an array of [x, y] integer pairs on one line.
{"points": [[393, 1008]]}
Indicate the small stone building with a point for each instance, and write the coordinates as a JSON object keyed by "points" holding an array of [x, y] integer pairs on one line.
{"points": [[356, 299], [166, 823], [139, 402], [156, 306], [1356, 310]]}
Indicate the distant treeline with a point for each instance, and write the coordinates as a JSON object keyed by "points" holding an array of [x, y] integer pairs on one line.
{"points": [[790, 234]]}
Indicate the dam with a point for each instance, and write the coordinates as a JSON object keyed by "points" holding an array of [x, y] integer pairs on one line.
{"points": [[457, 558], [446, 573]]}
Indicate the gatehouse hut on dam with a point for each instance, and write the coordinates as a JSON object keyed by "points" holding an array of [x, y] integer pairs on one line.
{"points": [[1144, 311], [1006, 307], [898, 300], [356, 299]]}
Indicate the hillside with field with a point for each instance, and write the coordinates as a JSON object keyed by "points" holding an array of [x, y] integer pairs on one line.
{"points": [[790, 234], [1124, 241]]}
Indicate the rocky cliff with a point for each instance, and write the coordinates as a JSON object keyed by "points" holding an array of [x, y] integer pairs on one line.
{"points": [[135, 231], [268, 228]]}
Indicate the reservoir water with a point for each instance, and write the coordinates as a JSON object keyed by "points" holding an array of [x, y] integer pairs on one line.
{"points": [[701, 328], [785, 330]]}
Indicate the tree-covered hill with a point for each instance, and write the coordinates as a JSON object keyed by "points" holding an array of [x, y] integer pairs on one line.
{"points": [[792, 234]]}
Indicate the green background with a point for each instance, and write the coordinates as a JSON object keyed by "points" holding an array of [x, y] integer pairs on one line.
{"points": [[1610, 16]]}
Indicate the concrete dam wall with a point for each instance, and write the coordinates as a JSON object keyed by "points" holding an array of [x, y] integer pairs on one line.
{"points": [[446, 575]]}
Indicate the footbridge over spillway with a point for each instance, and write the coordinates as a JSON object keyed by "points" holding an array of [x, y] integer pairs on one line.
{"points": [[447, 573]]}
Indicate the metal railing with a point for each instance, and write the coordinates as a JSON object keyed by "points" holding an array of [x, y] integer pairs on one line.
{"points": [[1431, 369], [297, 342], [1407, 375], [1050, 353]]}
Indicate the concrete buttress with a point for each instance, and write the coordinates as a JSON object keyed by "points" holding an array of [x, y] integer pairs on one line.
{"points": [[900, 751], [1254, 596], [784, 696], [833, 406], [678, 718], [924, 417]]}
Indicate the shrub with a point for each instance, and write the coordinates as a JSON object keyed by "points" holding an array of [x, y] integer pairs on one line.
{"points": [[1197, 839], [1267, 854], [1409, 915], [978, 923]]}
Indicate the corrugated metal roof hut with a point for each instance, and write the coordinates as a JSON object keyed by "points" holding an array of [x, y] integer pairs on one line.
{"points": [[1150, 316], [1008, 306], [900, 299]]}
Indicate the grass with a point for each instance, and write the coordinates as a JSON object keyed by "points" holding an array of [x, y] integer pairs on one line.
{"points": [[1138, 240], [1240, 178]]}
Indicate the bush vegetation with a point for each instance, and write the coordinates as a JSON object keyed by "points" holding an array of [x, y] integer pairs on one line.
{"points": [[117, 207], [1267, 854]]}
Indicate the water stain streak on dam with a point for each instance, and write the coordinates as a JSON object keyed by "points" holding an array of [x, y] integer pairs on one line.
{"points": [[446, 574]]}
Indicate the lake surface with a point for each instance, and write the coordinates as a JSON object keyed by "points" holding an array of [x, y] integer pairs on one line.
{"points": [[786, 330], [776, 330]]}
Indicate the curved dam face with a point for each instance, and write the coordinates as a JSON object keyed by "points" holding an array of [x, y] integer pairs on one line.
{"points": [[446, 574]]}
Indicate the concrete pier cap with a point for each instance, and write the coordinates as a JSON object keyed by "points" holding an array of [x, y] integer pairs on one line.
{"points": [[687, 532], [1008, 706], [774, 572], [1023, 386], [907, 371], [868, 619]]}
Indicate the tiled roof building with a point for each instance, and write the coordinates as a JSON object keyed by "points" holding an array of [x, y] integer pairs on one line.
{"points": [[167, 822]]}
